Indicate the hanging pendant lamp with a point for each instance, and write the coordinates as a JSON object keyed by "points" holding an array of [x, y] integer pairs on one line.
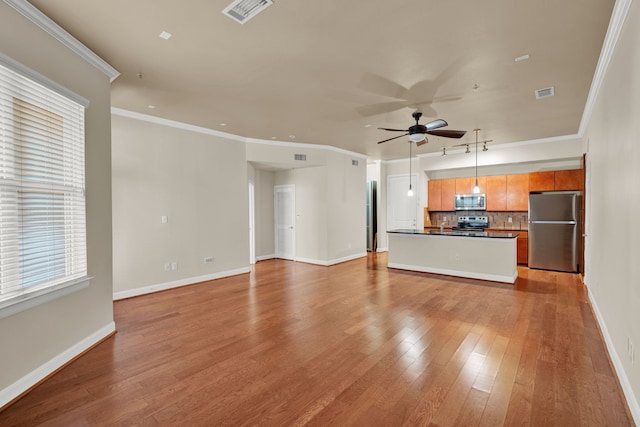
{"points": [[476, 188], [410, 192]]}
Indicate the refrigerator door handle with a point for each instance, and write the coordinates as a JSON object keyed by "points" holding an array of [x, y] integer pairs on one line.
{"points": [[552, 222]]}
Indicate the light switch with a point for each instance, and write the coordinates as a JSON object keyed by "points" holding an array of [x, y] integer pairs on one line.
{"points": [[164, 219]]}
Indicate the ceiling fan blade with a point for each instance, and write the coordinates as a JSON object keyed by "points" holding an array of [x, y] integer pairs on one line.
{"points": [[446, 133], [391, 139], [439, 123], [379, 85], [381, 108], [394, 130], [424, 141]]}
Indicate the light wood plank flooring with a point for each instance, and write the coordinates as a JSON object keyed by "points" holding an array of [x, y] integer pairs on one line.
{"points": [[352, 344]]}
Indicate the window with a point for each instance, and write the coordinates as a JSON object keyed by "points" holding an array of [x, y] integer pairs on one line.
{"points": [[42, 201]]}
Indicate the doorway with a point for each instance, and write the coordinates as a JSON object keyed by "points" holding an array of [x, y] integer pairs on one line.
{"points": [[284, 212], [252, 223]]}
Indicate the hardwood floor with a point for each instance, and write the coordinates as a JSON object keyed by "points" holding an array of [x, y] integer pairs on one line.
{"points": [[352, 344]]}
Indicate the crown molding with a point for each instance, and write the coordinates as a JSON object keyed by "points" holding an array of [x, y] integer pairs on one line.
{"points": [[174, 124], [303, 145], [184, 126], [30, 12], [618, 16]]}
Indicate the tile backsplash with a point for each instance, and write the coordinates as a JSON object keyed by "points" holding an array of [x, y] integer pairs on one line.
{"points": [[497, 220]]}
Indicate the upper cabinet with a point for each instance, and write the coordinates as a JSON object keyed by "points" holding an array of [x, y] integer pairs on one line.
{"points": [[504, 192], [518, 192], [542, 181], [441, 194], [569, 180], [496, 193], [434, 195], [465, 185], [448, 194], [562, 180]]}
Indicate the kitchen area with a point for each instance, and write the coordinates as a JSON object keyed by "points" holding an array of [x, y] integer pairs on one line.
{"points": [[534, 219]]}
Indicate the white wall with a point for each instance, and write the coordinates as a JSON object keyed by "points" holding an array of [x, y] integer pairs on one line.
{"points": [[613, 159], [35, 342], [197, 180]]}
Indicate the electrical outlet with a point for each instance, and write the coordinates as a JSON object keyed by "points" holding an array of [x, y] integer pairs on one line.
{"points": [[457, 257], [164, 219], [167, 267], [509, 219], [174, 265], [208, 260], [444, 218]]}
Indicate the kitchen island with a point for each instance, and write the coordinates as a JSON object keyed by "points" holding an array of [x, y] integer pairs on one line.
{"points": [[476, 255]]}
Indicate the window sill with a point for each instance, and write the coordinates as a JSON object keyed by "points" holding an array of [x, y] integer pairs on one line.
{"points": [[34, 298]]}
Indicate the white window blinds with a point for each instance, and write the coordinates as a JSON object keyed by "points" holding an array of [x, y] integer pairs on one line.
{"points": [[42, 202]]}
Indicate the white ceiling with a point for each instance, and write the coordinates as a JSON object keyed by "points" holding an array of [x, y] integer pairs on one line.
{"points": [[324, 70]]}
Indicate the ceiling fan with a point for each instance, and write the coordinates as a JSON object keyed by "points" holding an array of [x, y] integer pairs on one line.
{"points": [[418, 133]]}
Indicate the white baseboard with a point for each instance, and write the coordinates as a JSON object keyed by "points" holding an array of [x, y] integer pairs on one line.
{"points": [[331, 261], [265, 257], [632, 401], [382, 249], [43, 371], [177, 283], [469, 274]]}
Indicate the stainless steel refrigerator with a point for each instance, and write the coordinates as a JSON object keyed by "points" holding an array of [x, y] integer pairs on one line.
{"points": [[554, 230]]}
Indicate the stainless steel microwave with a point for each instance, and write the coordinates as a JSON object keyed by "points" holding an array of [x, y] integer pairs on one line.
{"points": [[470, 202]]}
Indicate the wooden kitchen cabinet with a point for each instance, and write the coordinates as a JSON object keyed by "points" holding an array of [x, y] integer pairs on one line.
{"points": [[542, 181], [434, 195], [465, 185], [572, 179], [448, 194], [496, 190], [518, 192], [522, 244], [441, 194]]}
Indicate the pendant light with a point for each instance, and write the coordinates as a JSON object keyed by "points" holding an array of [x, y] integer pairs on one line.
{"points": [[410, 192], [476, 188]]}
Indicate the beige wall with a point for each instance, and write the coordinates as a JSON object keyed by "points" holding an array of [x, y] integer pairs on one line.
{"points": [[197, 180], [33, 341], [329, 197], [613, 159]]}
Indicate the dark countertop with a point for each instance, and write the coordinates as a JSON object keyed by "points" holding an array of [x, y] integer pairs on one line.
{"points": [[489, 234]]}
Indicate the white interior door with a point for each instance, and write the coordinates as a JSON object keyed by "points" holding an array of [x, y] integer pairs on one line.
{"points": [[252, 224], [402, 209], [284, 203]]}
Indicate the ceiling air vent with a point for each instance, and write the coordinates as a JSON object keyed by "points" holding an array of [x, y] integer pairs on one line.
{"points": [[354, 162], [545, 93], [300, 157], [243, 10]]}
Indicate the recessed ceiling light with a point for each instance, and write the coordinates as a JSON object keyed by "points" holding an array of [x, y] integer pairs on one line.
{"points": [[522, 58], [292, 136], [164, 35], [223, 124], [367, 126], [151, 106], [274, 137]]}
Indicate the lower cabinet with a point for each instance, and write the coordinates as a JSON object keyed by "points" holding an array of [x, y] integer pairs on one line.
{"points": [[523, 248]]}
